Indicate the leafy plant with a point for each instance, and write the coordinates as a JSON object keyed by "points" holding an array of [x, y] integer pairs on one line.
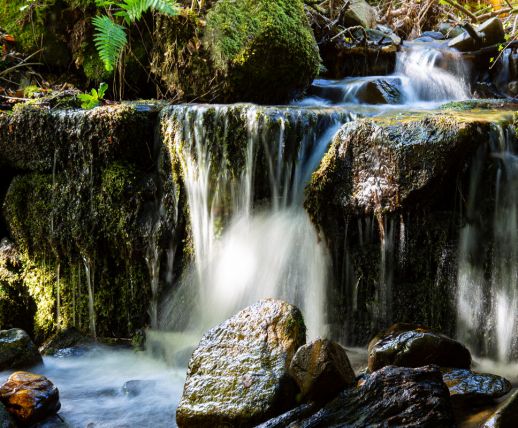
{"points": [[110, 37], [94, 98]]}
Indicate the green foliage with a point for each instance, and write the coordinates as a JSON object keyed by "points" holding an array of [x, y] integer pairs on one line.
{"points": [[110, 37], [94, 98]]}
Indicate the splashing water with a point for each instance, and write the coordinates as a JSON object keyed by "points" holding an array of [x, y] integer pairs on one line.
{"points": [[242, 253], [422, 75], [488, 303]]}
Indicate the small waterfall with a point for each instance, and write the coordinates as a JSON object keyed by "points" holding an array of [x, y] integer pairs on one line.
{"points": [[244, 170], [487, 296], [430, 74], [422, 74], [91, 293]]}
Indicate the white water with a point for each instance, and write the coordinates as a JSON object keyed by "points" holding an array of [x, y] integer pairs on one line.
{"points": [[91, 394], [488, 306], [243, 254], [423, 76]]}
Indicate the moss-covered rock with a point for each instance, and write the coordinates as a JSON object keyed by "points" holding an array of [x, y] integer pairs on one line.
{"points": [[17, 350], [389, 198], [238, 375], [260, 51]]}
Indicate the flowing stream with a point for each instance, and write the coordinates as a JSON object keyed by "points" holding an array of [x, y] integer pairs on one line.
{"points": [[244, 169]]}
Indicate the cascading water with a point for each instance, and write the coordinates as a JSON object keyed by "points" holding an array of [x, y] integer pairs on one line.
{"points": [[242, 254], [422, 74], [487, 296]]}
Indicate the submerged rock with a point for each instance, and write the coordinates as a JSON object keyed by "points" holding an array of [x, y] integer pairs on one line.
{"points": [[409, 345], [321, 369], [491, 32], [133, 388], [392, 396], [465, 385], [30, 398], [245, 50], [238, 375], [17, 351]]}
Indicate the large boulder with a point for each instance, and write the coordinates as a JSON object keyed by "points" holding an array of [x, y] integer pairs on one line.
{"points": [[468, 386], [415, 346], [238, 375], [490, 32], [17, 350], [245, 50], [393, 396], [30, 398], [505, 415], [67, 341], [322, 369]]}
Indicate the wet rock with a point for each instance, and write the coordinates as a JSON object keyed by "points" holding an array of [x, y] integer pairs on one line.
{"points": [[245, 50], [506, 415], [37, 139], [238, 375], [450, 31], [392, 396], [17, 350], [70, 338], [408, 345], [382, 164], [491, 32], [360, 13], [465, 385], [6, 420], [321, 369], [133, 388], [435, 35], [30, 398], [55, 421], [380, 91], [512, 87]]}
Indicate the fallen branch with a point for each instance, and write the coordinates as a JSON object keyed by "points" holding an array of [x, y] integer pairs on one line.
{"points": [[462, 9]]}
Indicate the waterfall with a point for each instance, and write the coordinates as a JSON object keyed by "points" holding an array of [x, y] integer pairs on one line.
{"points": [[487, 294], [244, 169], [430, 74], [91, 295]]}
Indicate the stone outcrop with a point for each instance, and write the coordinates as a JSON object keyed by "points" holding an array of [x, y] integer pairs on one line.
{"points": [[238, 375], [490, 32], [17, 350]]}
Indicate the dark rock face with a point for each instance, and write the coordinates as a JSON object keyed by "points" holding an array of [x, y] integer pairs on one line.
{"points": [[386, 198], [238, 375], [17, 350], [6, 420], [412, 346], [465, 385], [392, 396], [30, 398], [321, 369]]}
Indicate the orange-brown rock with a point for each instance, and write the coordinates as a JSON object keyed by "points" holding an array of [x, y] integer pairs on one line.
{"points": [[30, 398]]}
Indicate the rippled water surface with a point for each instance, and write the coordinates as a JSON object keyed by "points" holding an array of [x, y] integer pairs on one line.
{"points": [[92, 393]]}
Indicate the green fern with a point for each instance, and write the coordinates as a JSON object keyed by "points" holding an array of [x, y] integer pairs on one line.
{"points": [[110, 36]]}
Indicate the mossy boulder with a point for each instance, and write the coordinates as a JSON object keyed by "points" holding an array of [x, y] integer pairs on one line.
{"points": [[259, 51], [238, 375], [17, 350]]}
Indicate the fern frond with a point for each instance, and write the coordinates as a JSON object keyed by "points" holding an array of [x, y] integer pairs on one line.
{"points": [[136, 8], [167, 7], [110, 40]]}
